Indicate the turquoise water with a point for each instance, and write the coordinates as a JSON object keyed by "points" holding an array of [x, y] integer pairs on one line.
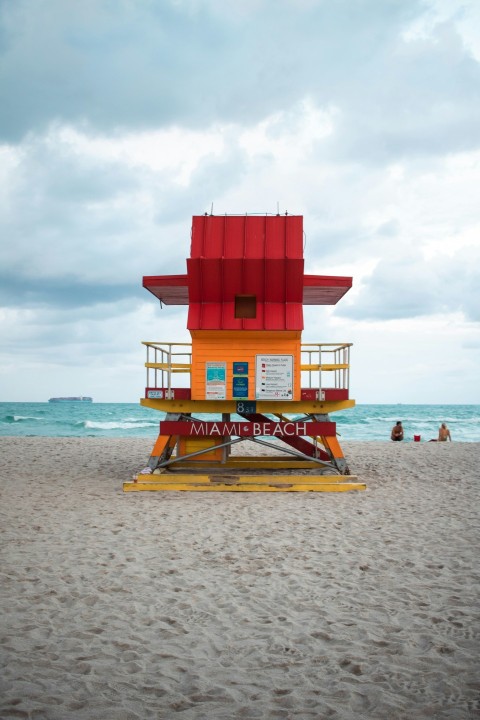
{"points": [[363, 422]]}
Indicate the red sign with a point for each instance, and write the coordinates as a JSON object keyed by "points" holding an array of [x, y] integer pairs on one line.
{"points": [[196, 428]]}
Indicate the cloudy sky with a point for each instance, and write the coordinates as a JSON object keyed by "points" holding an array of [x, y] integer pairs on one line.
{"points": [[120, 119]]}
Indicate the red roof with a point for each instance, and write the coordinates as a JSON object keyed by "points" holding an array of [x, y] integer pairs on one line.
{"points": [[317, 289], [324, 289], [236, 255], [247, 236]]}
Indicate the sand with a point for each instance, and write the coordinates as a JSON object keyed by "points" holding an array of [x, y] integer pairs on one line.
{"points": [[126, 606]]}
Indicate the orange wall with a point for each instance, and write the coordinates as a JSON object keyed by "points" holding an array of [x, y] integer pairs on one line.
{"points": [[188, 445], [241, 346]]}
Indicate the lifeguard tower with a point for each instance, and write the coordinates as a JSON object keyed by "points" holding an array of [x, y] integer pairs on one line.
{"points": [[248, 375]]}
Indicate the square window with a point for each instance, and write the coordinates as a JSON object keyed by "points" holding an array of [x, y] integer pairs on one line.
{"points": [[245, 306]]}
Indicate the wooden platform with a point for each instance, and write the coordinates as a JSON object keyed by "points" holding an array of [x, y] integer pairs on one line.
{"points": [[193, 482]]}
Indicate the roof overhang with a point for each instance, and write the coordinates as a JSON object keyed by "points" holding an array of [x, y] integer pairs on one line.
{"points": [[169, 289], [317, 289], [324, 289]]}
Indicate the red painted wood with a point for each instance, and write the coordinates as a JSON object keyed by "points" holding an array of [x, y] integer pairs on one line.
{"points": [[198, 428], [299, 443], [335, 394], [170, 289], [324, 289], [307, 394], [162, 394], [330, 394]]}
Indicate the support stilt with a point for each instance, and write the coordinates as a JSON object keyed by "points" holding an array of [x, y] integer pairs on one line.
{"points": [[323, 470]]}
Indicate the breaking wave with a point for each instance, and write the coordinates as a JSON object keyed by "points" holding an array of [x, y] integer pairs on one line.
{"points": [[117, 425]]}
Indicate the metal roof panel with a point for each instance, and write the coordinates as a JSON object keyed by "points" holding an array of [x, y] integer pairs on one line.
{"points": [[247, 236], [170, 289], [324, 289]]}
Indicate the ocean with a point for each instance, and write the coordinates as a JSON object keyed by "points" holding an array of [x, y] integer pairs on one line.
{"points": [[363, 422]]}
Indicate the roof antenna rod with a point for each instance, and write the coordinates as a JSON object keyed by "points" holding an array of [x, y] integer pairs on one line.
{"points": [[278, 208], [211, 209]]}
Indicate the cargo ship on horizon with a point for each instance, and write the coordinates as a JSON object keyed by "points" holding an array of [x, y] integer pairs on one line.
{"points": [[80, 398]]}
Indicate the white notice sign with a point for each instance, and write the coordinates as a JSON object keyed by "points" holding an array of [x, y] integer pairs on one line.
{"points": [[274, 377], [215, 380]]}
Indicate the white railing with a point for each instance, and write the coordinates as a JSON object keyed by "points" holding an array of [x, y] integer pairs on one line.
{"points": [[319, 360], [322, 364], [164, 360]]}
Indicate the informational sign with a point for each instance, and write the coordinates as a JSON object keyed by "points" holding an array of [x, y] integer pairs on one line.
{"points": [[162, 394], [247, 429], [215, 380], [155, 394], [240, 387], [240, 368], [274, 377]]}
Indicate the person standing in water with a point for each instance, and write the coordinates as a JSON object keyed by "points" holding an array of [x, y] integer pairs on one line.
{"points": [[444, 433], [397, 431]]}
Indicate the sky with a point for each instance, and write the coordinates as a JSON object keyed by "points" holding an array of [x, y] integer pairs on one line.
{"points": [[121, 119]]}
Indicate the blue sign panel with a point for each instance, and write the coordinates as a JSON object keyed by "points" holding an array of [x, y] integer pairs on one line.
{"points": [[240, 387], [240, 368], [246, 407]]}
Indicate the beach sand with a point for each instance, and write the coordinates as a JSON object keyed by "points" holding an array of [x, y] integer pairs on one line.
{"points": [[126, 606]]}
